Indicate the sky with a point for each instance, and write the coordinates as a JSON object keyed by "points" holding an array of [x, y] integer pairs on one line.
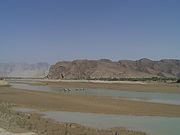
{"points": [[52, 30]]}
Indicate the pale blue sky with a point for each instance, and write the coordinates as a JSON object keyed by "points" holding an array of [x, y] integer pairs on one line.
{"points": [[52, 30]]}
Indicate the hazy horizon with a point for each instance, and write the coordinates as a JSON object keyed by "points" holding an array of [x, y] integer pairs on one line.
{"points": [[50, 31], [51, 63]]}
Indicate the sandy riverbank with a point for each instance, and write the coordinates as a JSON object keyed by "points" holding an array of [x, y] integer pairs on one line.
{"points": [[18, 121], [5, 132], [3, 83], [96, 81], [78, 103], [116, 85]]}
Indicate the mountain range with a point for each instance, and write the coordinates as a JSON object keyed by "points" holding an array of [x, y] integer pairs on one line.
{"points": [[94, 69], [105, 68]]}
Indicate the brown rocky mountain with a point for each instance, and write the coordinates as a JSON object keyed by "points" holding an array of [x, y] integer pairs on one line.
{"points": [[104, 68]]}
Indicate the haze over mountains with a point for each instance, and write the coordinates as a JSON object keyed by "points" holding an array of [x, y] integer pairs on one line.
{"points": [[37, 70], [104, 68], [93, 69]]}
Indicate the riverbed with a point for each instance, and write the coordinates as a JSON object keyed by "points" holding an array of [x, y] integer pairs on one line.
{"points": [[154, 97], [153, 125]]}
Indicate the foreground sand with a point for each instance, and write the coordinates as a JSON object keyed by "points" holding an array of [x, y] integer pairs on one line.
{"points": [[3, 83], [20, 122], [117, 85], [78, 103], [5, 132], [32, 122]]}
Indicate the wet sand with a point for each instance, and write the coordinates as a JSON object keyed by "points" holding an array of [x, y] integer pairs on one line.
{"points": [[3, 83], [129, 86], [5, 132], [78, 103], [19, 122], [45, 101]]}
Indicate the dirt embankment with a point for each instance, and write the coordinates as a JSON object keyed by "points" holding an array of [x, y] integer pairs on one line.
{"points": [[20, 122], [127, 86], [79, 103], [3, 83]]}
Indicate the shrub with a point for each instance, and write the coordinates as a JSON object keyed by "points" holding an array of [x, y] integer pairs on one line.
{"points": [[178, 81]]}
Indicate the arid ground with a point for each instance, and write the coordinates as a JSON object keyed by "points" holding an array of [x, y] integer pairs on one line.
{"points": [[118, 85], [80, 103], [76, 103]]}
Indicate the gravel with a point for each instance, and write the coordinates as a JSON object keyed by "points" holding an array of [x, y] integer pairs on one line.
{"points": [[4, 132]]}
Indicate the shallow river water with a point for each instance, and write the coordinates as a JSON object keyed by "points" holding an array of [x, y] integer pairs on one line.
{"points": [[154, 125], [156, 97], [150, 124]]}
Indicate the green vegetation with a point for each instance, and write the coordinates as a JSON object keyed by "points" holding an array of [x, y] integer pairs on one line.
{"points": [[178, 81], [158, 79]]}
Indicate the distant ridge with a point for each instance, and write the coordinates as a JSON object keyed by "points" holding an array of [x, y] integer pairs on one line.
{"points": [[105, 68], [37, 70]]}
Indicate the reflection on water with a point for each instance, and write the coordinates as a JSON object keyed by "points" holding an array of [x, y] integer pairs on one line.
{"points": [[154, 125], [168, 98], [150, 124]]}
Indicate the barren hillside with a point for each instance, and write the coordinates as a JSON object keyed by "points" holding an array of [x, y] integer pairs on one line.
{"points": [[104, 68]]}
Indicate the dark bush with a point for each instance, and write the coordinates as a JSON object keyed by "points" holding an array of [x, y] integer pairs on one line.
{"points": [[178, 81]]}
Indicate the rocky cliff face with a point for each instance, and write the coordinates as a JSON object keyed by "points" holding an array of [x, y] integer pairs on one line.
{"points": [[104, 68], [37, 70]]}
